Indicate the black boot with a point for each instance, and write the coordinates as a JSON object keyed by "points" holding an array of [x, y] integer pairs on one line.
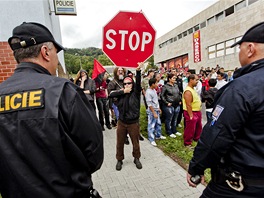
{"points": [[109, 126], [119, 165], [138, 163], [113, 122], [141, 137]]}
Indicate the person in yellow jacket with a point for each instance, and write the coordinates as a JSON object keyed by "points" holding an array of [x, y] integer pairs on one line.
{"points": [[192, 111]]}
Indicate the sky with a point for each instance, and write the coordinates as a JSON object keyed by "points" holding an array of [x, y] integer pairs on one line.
{"points": [[85, 29]]}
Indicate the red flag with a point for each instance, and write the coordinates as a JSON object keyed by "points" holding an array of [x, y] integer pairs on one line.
{"points": [[98, 71]]}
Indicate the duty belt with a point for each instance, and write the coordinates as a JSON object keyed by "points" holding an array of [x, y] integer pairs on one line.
{"points": [[234, 179]]}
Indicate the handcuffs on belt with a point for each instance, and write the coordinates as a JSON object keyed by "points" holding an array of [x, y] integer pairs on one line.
{"points": [[234, 181]]}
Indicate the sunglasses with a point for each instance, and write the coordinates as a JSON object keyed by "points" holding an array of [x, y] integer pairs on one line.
{"points": [[129, 83]]}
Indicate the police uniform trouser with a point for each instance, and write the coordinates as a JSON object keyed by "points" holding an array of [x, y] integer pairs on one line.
{"points": [[215, 190]]}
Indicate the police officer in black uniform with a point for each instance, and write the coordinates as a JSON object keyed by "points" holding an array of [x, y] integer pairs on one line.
{"points": [[50, 138], [232, 142]]}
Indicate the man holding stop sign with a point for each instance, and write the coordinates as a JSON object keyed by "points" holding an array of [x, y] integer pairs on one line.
{"points": [[128, 39]]}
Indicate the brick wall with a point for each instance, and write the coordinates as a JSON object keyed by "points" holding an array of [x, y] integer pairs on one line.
{"points": [[7, 61]]}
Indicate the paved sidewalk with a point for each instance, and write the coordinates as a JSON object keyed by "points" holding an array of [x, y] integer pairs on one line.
{"points": [[159, 177]]}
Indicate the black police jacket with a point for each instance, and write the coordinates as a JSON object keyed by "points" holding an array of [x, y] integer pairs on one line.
{"points": [[129, 104], [236, 133], [50, 139]]}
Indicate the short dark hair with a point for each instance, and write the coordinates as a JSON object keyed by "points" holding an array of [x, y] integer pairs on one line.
{"points": [[221, 74], [212, 82], [169, 76], [191, 77], [150, 70], [152, 81]]}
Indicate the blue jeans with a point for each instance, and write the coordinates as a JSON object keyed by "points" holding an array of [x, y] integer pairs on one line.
{"points": [[115, 108], [154, 125], [171, 114]]}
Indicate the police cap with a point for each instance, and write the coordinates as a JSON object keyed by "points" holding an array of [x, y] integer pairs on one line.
{"points": [[31, 34]]}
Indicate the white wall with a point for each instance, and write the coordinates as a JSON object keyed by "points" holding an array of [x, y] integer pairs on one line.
{"points": [[15, 12]]}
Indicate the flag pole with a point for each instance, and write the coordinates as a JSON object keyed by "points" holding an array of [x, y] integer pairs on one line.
{"points": [[114, 79]]}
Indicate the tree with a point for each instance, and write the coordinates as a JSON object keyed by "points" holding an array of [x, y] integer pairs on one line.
{"points": [[104, 60], [75, 59]]}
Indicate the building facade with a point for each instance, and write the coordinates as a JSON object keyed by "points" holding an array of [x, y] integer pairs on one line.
{"points": [[14, 13], [205, 39]]}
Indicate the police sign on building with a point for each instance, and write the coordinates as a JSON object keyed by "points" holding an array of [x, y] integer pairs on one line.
{"points": [[65, 7]]}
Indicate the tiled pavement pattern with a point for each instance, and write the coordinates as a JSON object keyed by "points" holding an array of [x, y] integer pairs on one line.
{"points": [[159, 177]]}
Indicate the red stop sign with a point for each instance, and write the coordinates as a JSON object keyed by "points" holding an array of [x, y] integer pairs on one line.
{"points": [[128, 39]]}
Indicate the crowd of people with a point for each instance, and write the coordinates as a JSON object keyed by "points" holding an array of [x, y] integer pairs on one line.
{"points": [[167, 101], [55, 121]]}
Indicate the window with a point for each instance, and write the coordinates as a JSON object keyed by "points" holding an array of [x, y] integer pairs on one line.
{"points": [[171, 40], [227, 46], [203, 24], [237, 47], [196, 27], [219, 16], [229, 11], [175, 38], [210, 20], [190, 30], [240, 5], [184, 33], [251, 1], [211, 52], [179, 36], [220, 49]]}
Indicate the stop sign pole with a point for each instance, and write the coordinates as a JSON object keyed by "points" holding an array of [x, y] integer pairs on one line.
{"points": [[128, 38]]}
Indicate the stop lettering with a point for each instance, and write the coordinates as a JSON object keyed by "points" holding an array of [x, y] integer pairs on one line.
{"points": [[128, 39]]}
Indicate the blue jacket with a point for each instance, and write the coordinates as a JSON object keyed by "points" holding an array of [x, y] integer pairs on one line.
{"points": [[236, 132]]}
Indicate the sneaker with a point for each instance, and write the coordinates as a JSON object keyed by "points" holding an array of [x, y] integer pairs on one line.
{"points": [[172, 135], [178, 133], [109, 126], [153, 143], [119, 165], [127, 141], [138, 163], [161, 138], [179, 125], [141, 137]]}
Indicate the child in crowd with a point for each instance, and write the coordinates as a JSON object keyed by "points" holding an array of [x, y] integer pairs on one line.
{"points": [[153, 111]]}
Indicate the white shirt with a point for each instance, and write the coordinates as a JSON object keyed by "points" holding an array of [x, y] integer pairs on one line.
{"points": [[220, 83]]}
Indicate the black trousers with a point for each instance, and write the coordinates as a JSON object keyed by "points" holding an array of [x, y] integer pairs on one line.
{"points": [[215, 190], [103, 110]]}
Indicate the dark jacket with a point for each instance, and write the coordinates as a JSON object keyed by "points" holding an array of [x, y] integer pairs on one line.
{"points": [[208, 97], [129, 104], [170, 94], [236, 132], [89, 84], [179, 83], [50, 139]]}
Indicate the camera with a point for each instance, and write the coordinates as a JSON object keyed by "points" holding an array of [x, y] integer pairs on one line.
{"points": [[196, 179]]}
